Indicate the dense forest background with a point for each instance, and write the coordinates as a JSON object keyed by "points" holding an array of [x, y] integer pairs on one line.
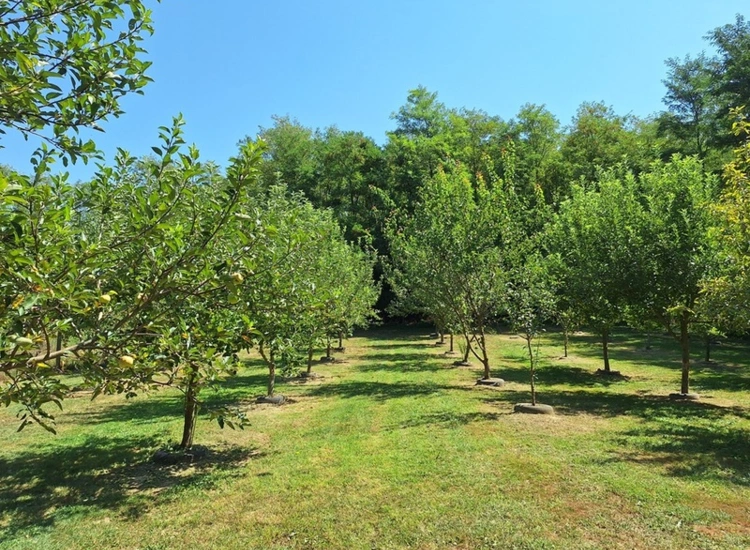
{"points": [[362, 182]]}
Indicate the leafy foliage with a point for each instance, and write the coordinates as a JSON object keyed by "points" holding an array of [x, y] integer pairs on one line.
{"points": [[120, 267], [66, 64], [449, 255], [600, 240]]}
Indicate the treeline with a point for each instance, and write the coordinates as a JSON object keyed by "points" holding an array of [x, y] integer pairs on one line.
{"points": [[362, 182]]}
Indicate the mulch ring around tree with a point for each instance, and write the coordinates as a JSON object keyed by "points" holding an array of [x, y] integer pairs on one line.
{"points": [[330, 359], [495, 382], [305, 378], [197, 455], [528, 408], [277, 399], [308, 376]]}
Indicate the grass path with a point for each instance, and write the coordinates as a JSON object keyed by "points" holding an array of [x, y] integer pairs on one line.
{"points": [[394, 448]]}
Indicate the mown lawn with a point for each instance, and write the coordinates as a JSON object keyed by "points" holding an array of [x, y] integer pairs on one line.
{"points": [[395, 448]]}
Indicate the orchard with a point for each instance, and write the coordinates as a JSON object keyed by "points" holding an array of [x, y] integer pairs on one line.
{"points": [[289, 292]]}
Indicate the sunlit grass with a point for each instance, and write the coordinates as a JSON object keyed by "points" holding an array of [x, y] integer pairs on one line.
{"points": [[395, 448]]}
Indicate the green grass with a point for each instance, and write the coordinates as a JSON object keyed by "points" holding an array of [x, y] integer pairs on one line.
{"points": [[397, 449]]}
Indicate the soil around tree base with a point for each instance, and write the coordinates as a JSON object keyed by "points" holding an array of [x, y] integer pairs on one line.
{"points": [[450, 353], [327, 359], [528, 408], [309, 375], [490, 382], [685, 396], [461, 363], [271, 399], [339, 350]]}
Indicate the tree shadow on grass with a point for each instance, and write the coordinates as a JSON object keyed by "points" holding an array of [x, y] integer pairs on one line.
{"points": [[620, 336], [719, 376], [392, 337], [402, 362], [621, 353], [156, 406], [611, 404], [414, 345], [729, 370], [143, 409], [560, 375], [44, 485], [689, 438], [238, 388], [379, 391], [696, 451]]}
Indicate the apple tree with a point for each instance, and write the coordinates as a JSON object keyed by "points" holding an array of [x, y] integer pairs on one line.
{"points": [[727, 292], [451, 249], [598, 235], [98, 273], [679, 198], [292, 298]]}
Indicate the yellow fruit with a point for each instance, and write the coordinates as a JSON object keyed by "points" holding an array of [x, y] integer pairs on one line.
{"points": [[24, 342], [237, 277], [126, 361], [105, 298]]}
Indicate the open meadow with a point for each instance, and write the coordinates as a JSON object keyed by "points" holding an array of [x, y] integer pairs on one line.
{"points": [[393, 447]]}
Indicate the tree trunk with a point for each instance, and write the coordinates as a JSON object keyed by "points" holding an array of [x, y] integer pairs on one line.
{"points": [[271, 379], [271, 362], [708, 348], [531, 363], [605, 349], [565, 341], [341, 341], [451, 343], [58, 347], [485, 357], [191, 413], [685, 345], [442, 338], [309, 359], [467, 351], [328, 348], [271, 373]]}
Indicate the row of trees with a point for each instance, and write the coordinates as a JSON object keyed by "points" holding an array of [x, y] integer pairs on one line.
{"points": [[619, 218], [665, 247], [158, 271]]}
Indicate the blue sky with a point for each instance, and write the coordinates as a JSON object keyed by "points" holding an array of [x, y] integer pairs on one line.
{"points": [[230, 67]]}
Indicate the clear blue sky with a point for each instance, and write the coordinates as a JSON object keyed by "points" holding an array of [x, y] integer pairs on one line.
{"points": [[230, 67]]}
